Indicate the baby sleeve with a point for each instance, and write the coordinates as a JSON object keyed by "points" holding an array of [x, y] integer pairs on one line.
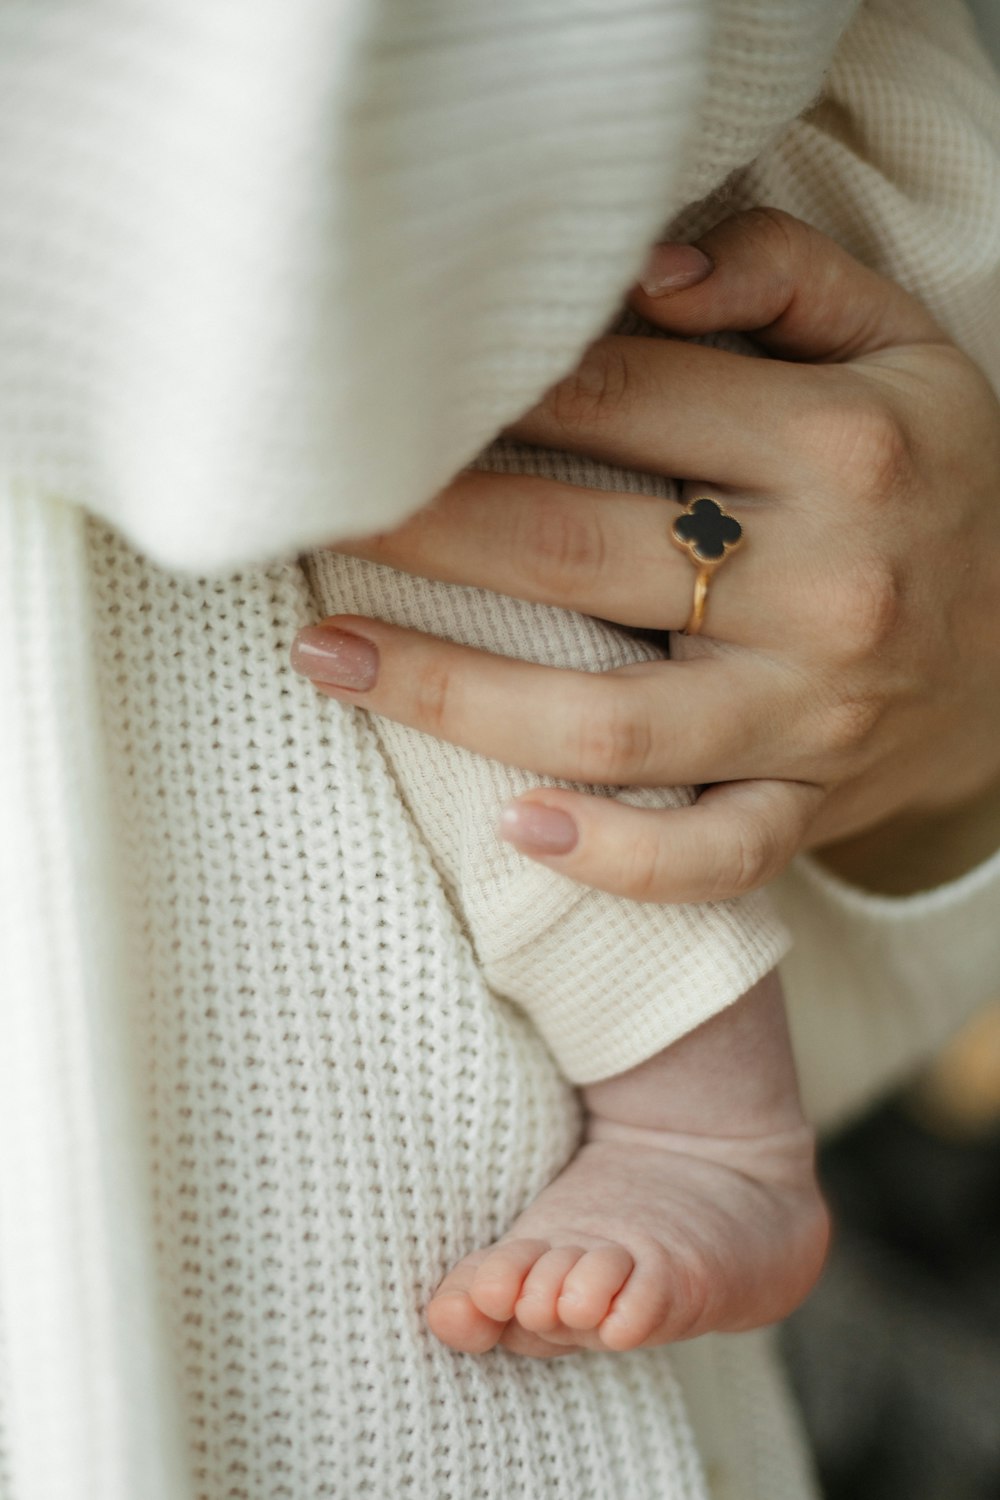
{"points": [[608, 983]]}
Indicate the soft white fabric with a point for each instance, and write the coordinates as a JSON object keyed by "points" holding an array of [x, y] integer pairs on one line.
{"points": [[238, 238], [339, 1107], [78, 1324], [607, 983], [222, 872]]}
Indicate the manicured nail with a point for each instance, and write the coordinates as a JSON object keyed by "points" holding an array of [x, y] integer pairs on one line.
{"points": [[673, 268], [536, 829], [335, 657]]}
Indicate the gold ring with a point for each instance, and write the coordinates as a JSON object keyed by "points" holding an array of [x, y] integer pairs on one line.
{"points": [[708, 534]]}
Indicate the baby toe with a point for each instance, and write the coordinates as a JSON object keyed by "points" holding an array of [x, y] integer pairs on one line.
{"points": [[455, 1319], [500, 1273], [591, 1284], [536, 1307], [648, 1309]]}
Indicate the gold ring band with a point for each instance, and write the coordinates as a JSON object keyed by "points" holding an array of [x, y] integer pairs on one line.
{"points": [[708, 534], [700, 601]]}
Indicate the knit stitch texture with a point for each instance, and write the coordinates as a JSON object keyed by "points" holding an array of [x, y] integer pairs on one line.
{"points": [[234, 895]]}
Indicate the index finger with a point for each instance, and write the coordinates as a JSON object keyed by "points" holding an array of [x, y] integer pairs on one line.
{"points": [[655, 723], [798, 292]]}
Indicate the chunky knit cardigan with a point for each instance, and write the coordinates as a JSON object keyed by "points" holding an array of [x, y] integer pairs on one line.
{"points": [[269, 274]]}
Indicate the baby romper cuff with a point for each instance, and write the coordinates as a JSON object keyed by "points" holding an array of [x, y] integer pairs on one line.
{"points": [[610, 983]]}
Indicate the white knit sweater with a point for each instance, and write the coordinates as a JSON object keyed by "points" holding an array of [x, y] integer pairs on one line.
{"points": [[210, 882]]}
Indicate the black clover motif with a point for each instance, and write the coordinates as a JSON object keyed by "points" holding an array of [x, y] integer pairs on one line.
{"points": [[707, 531]]}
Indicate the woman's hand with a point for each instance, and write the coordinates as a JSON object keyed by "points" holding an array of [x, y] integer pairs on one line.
{"points": [[849, 669]]}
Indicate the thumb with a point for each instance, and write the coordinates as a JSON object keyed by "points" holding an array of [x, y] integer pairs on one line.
{"points": [[793, 288]]}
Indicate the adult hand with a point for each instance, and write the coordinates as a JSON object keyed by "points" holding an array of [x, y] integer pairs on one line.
{"points": [[848, 670]]}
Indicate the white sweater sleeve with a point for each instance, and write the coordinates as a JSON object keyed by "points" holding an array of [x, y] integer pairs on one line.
{"points": [[271, 273], [607, 982], [900, 162], [876, 984]]}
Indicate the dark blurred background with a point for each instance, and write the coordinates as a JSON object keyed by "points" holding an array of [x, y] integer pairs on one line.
{"points": [[987, 14], [896, 1357]]}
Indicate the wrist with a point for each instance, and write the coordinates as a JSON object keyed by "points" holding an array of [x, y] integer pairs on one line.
{"points": [[920, 851]]}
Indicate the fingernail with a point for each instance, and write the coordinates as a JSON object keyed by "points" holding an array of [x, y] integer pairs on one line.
{"points": [[673, 268], [335, 657], [536, 829]]}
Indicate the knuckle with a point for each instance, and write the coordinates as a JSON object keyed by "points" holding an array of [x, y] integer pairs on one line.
{"points": [[775, 231], [564, 552], [433, 698], [616, 743], [597, 390], [779, 247], [866, 610], [876, 451], [855, 443], [847, 725], [644, 874], [752, 858]]}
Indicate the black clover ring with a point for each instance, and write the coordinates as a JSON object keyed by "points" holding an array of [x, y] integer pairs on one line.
{"points": [[707, 531], [708, 534]]}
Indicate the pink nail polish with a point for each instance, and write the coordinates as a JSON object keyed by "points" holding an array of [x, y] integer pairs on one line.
{"points": [[335, 658], [536, 829], [673, 268]]}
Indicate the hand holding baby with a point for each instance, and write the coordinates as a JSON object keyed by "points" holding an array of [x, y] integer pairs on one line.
{"points": [[846, 677]]}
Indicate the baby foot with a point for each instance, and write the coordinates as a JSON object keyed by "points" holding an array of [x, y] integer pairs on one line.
{"points": [[646, 1237]]}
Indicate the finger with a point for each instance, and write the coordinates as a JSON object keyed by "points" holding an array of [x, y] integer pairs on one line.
{"points": [[652, 724], [672, 408], [792, 287], [736, 837], [608, 555]]}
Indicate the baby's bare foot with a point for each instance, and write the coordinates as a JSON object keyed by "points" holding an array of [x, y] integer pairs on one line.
{"points": [[646, 1238]]}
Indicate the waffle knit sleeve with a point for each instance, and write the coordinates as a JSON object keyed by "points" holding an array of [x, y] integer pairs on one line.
{"points": [[607, 982]]}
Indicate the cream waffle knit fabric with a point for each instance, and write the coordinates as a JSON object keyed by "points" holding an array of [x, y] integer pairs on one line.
{"points": [[235, 895], [607, 983]]}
